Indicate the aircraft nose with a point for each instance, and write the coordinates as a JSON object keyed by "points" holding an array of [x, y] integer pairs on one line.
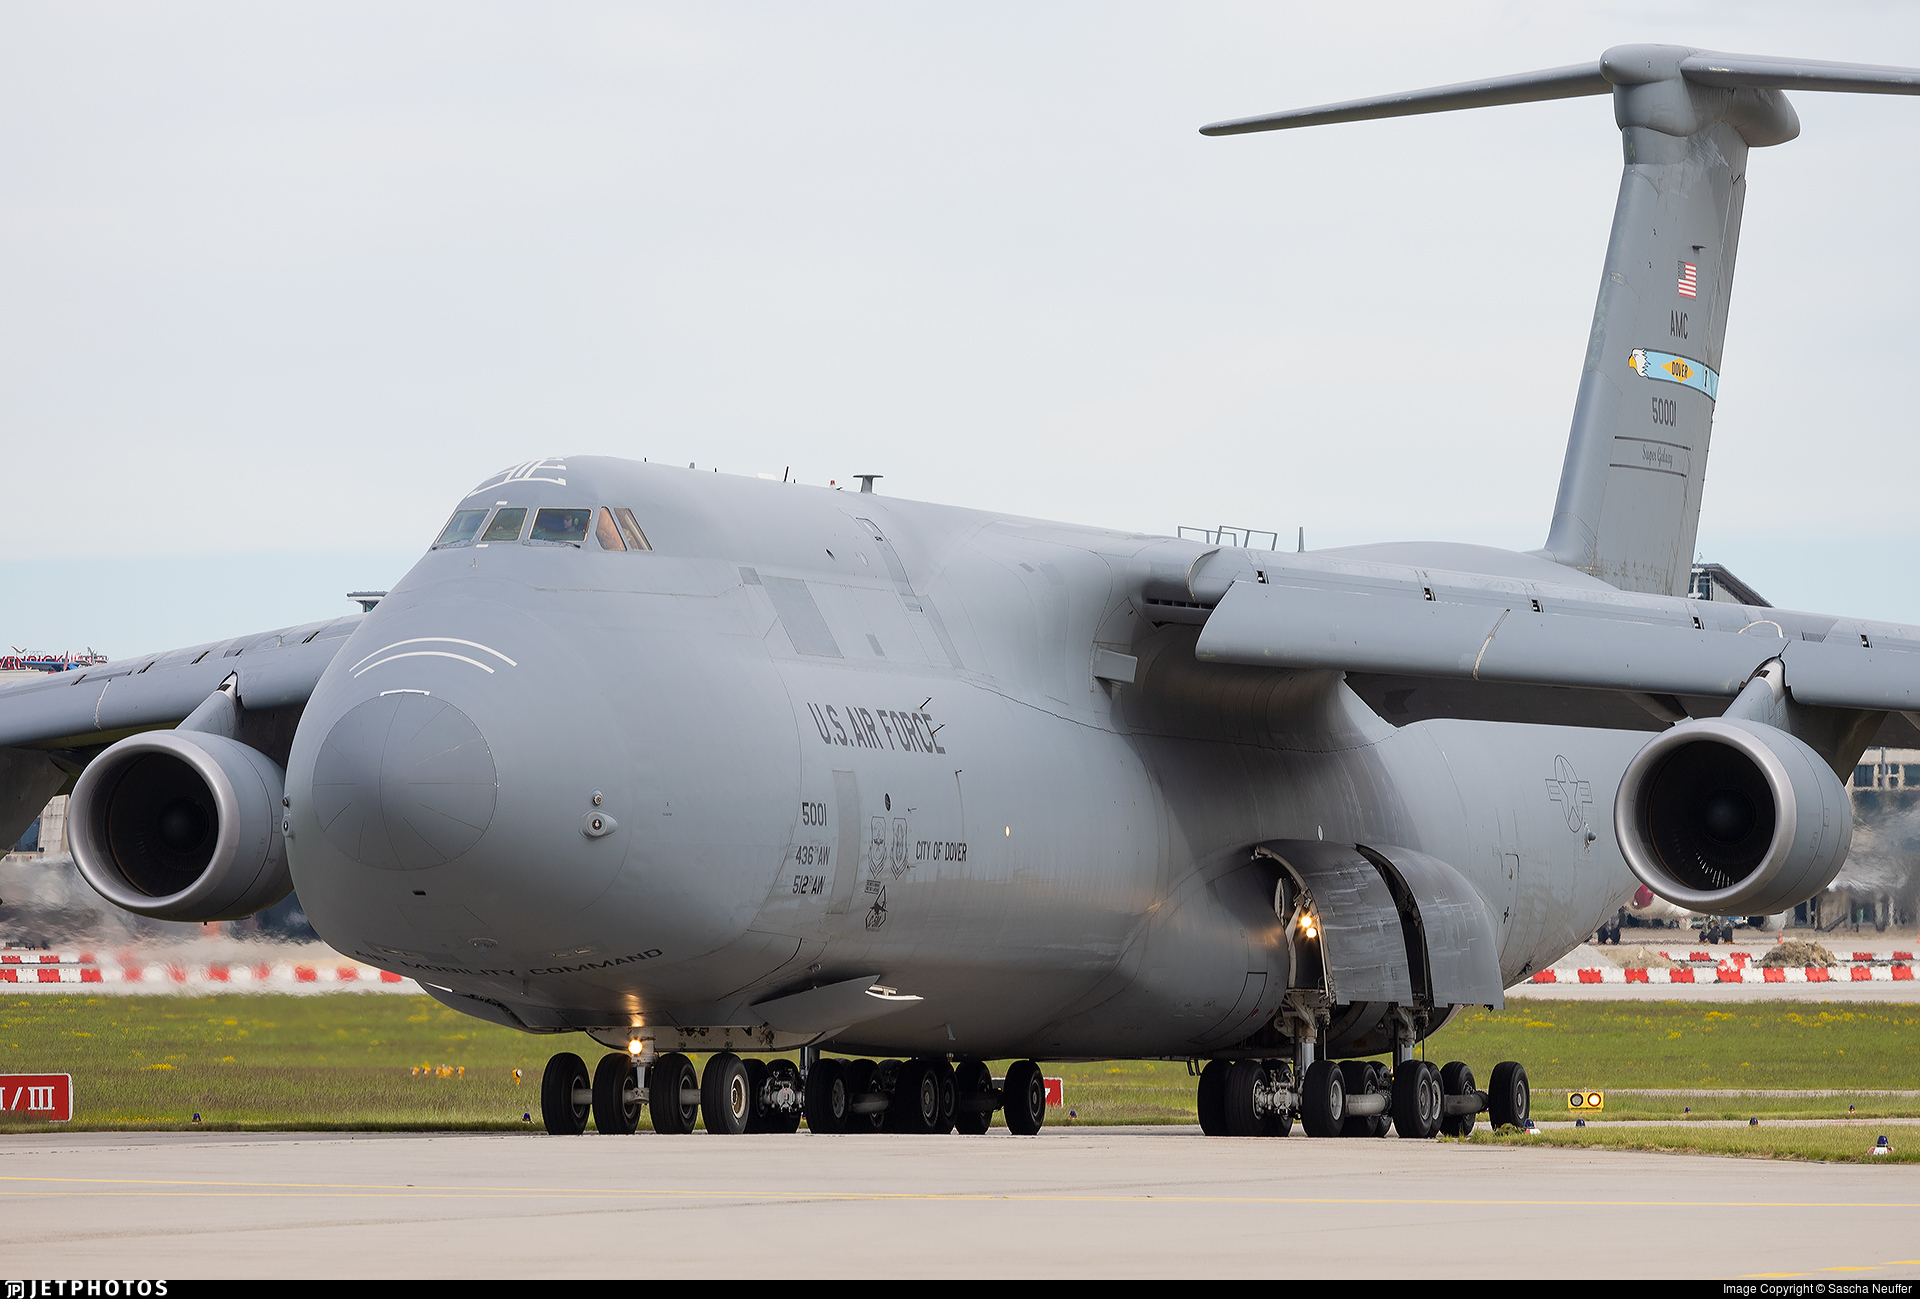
{"points": [[404, 781]]}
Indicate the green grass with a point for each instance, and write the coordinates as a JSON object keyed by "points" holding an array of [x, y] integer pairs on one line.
{"points": [[337, 1062], [1847, 1145], [1627, 1044]]}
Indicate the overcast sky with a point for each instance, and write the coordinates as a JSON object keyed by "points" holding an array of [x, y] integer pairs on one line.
{"points": [[280, 282]]}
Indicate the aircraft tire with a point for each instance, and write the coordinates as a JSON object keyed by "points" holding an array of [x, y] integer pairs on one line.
{"points": [[916, 1099], [860, 1082], [1025, 1101], [1416, 1100], [565, 1074], [949, 1092], [1360, 1080], [613, 1112], [1323, 1105], [1509, 1100], [827, 1096], [1456, 1080], [1211, 1097], [972, 1079], [756, 1086], [726, 1098], [785, 1072], [673, 1076], [1243, 1076]]}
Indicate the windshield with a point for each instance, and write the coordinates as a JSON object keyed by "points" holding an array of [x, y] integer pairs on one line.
{"points": [[461, 527], [505, 526], [556, 525]]}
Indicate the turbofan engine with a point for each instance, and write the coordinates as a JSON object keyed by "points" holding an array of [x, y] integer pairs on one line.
{"points": [[1732, 817], [181, 825]]}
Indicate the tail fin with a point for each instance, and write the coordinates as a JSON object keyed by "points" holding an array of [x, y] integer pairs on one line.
{"points": [[1629, 503]]}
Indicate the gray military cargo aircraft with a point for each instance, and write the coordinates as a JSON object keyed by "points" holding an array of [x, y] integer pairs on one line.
{"points": [[697, 763]]}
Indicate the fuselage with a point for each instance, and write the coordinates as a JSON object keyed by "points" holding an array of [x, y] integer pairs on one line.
{"points": [[814, 735]]}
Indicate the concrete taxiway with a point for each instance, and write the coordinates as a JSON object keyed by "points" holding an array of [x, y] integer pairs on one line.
{"points": [[1132, 1202]]}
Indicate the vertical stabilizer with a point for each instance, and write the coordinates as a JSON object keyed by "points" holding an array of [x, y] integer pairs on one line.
{"points": [[1629, 502]]}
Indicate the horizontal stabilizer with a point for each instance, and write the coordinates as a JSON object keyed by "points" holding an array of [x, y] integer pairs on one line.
{"points": [[1764, 72], [1623, 65], [1520, 88]]}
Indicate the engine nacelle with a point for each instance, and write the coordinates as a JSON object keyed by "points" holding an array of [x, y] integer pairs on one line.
{"points": [[1732, 817], [181, 825]]}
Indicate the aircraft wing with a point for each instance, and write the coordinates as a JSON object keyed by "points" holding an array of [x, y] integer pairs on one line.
{"points": [[1535, 634], [97, 705], [43, 720]]}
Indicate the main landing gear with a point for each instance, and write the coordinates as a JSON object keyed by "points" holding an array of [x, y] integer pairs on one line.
{"points": [[925, 1095], [1356, 1098]]}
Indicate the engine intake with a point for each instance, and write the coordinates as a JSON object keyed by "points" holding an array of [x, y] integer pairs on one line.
{"points": [[181, 825], [1732, 817]]}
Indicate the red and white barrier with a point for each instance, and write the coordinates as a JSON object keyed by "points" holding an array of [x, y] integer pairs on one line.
{"points": [[24, 971], [1731, 973]]}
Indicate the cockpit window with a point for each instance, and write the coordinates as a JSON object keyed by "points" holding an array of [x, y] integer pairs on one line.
{"points": [[560, 527], [461, 527], [607, 532], [505, 526], [636, 539]]}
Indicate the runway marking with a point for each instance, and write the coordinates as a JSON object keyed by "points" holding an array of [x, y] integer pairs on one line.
{"points": [[1865, 1267], [480, 1192]]}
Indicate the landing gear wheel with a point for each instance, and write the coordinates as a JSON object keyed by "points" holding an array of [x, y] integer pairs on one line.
{"points": [[1509, 1100], [756, 1091], [725, 1097], [827, 1096], [673, 1097], [1212, 1097], [1280, 1122], [1457, 1080], [784, 1076], [1383, 1083], [1416, 1100], [916, 1107], [972, 1087], [616, 1102], [1323, 1103], [1245, 1080], [1359, 1080], [1025, 1093], [943, 1078], [560, 1088], [860, 1084], [891, 1078]]}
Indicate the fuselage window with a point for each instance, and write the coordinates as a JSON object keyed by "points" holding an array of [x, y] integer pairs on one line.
{"points": [[558, 527], [636, 539], [607, 532], [461, 527], [505, 526]]}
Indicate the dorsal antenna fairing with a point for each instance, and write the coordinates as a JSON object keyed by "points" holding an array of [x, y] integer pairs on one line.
{"points": [[1629, 502]]}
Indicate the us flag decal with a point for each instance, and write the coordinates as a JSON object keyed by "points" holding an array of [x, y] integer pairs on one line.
{"points": [[1689, 280]]}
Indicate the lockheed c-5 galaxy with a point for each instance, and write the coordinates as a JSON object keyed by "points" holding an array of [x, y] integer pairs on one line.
{"points": [[690, 762]]}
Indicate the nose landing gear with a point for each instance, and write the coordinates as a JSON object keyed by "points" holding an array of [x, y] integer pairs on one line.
{"points": [[1356, 1098]]}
